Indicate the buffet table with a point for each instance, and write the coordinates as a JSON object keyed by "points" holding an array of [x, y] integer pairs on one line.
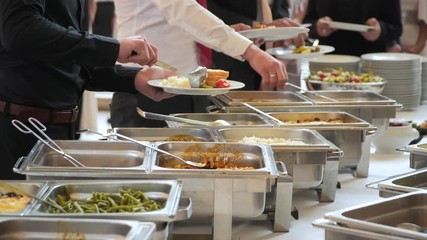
{"points": [[352, 192]]}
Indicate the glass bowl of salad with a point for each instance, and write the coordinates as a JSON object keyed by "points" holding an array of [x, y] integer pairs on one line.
{"points": [[344, 80]]}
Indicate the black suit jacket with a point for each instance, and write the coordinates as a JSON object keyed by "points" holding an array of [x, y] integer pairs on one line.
{"points": [[348, 42], [241, 11]]}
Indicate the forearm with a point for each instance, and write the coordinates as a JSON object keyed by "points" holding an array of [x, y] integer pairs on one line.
{"points": [[25, 32], [422, 36]]}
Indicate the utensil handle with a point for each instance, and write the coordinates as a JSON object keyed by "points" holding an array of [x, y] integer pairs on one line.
{"points": [[156, 116], [166, 66]]}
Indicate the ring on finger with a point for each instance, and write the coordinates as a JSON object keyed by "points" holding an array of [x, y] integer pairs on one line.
{"points": [[272, 75]]}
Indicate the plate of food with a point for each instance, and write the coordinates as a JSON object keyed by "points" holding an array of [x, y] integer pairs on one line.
{"points": [[300, 52], [215, 83], [350, 26], [274, 33], [345, 80]]}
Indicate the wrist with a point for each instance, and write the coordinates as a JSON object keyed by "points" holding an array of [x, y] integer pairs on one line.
{"points": [[250, 52]]}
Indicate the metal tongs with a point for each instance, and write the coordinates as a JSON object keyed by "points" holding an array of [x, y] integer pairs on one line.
{"points": [[45, 139], [191, 163]]}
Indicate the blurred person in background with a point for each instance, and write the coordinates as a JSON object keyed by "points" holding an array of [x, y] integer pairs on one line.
{"points": [[414, 19], [250, 12], [185, 22], [383, 15], [48, 59]]}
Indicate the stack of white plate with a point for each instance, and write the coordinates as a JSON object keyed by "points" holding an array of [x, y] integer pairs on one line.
{"points": [[402, 71], [334, 61], [424, 81]]}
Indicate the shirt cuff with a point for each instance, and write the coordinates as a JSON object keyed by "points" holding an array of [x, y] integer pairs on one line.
{"points": [[236, 45]]}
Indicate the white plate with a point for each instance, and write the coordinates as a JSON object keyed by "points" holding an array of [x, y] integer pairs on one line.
{"points": [[349, 26], [335, 58], [287, 53], [196, 91], [274, 34]]}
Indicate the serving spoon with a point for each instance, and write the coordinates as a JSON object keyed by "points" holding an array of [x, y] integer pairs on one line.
{"points": [[156, 116], [195, 77]]}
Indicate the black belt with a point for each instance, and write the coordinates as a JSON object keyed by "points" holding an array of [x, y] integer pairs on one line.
{"points": [[44, 115]]}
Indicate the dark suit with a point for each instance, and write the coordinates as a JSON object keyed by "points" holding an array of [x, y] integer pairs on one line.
{"points": [[387, 12], [241, 11]]}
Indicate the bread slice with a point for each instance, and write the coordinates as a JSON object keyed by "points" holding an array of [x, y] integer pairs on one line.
{"points": [[213, 75]]}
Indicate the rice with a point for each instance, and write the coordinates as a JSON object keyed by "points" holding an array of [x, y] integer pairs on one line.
{"points": [[175, 81], [272, 141]]}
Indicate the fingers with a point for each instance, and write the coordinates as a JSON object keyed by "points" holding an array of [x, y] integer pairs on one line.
{"points": [[275, 76], [137, 49]]}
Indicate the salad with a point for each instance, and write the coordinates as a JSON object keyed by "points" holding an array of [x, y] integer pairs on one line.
{"points": [[340, 76]]}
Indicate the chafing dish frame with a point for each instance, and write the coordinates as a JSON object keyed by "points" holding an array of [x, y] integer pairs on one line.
{"points": [[417, 156]]}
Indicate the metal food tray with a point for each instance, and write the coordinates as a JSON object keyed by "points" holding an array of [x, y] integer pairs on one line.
{"points": [[348, 120], [418, 155], [258, 156], [353, 136], [347, 97], [259, 98], [312, 165], [167, 191], [236, 120], [383, 216], [99, 157], [334, 231], [33, 188], [162, 134], [403, 183], [33, 228]]}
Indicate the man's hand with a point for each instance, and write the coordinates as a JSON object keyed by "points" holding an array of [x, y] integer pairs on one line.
{"points": [[271, 70], [323, 28], [148, 73], [240, 27], [372, 34], [137, 50], [287, 22]]}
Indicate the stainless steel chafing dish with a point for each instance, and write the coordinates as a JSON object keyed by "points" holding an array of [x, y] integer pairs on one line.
{"points": [[99, 157], [383, 216], [163, 134], [33, 188], [66, 228], [236, 119], [402, 183], [418, 155], [167, 191], [352, 136], [261, 98], [371, 107], [313, 165]]}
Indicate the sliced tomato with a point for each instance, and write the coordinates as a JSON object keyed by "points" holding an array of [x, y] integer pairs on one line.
{"points": [[222, 83]]}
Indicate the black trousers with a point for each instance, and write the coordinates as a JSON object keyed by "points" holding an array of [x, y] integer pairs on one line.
{"points": [[14, 144]]}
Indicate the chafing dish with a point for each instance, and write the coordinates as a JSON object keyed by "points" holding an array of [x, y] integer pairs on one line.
{"points": [[312, 164], [371, 107], [353, 136], [100, 157], [261, 98], [383, 216], [163, 134], [402, 183], [167, 191], [418, 155], [236, 120], [66, 228], [334, 231], [33, 188]]}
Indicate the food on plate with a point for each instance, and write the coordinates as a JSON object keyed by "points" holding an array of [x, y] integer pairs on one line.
{"points": [[260, 26], [314, 121], [12, 202], [214, 76], [306, 49], [126, 201], [272, 141], [216, 157], [340, 76], [175, 81], [184, 138]]}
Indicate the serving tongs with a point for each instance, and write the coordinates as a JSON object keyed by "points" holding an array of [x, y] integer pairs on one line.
{"points": [[45, 139], [275, 120], [118, 135], [16, 190], [311, 92]]}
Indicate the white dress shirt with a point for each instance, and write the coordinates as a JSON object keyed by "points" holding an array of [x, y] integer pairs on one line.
{"points": [[174, 26]]}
